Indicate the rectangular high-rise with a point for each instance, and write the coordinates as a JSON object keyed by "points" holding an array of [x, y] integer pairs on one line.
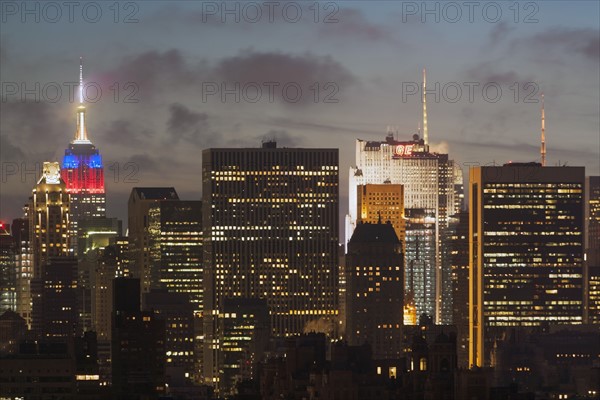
{"points": [[525, 248], [382, 202], [270, 218]]}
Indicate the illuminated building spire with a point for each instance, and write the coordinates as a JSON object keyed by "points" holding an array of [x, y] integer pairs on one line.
{"points": [[425, 134], [543, 147], [81, 134]]}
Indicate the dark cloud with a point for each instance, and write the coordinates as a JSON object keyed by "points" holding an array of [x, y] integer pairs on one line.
{"points": [[488, 72], [34, 128], [251, 67], [9, 151], [281, 136], [123, 131], [500, 32], [153, 72], [188, 125], [554, 43], [312, 126], [353, 24]]}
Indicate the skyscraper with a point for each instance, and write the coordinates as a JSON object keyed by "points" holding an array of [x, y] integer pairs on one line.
{"points": [[375, 289], [49, 218], [592, 249], [138, 345], [382, 202], [270, 218], [526, 250], [429, 185], [166, 241], [459, 257], [432, 186], [83, 173], [8, 270], [592, 216], [23, 264]]}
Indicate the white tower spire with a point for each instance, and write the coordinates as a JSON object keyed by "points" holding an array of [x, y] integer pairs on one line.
{"points": [[81, 134], [543, 147], [425, 133]]}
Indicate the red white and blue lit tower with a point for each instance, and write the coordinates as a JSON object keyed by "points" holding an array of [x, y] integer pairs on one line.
{"points": [[83, 172]]}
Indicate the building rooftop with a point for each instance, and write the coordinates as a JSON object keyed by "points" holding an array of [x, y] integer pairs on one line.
{"points": [[374, 233], [156, 193]]}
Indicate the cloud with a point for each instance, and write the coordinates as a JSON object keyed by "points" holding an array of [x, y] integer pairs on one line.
{"points": [[555, 43], [185, 124], [290, 123], [153, 72], [34, 128], [352, 24], [9, 151], [281, 136], [439, 147], [499, 33], [122, 131], [304, 70]]}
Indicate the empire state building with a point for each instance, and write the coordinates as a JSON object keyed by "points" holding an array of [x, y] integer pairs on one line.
{"points": [[83, 172]]}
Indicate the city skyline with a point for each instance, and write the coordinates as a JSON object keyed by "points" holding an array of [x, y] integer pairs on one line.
{"points": [[239, 200], [168, 76]]}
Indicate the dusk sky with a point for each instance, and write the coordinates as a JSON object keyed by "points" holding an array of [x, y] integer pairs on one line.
{"points": [[174, 53]]}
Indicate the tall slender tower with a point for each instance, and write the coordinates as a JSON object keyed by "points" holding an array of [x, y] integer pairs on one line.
{"points": [[83, 173], [425, 134], [543, 147]]}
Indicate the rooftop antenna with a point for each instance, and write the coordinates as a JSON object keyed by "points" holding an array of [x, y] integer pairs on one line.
{"points": [[543, 146], [81, 134], [425, 134]]}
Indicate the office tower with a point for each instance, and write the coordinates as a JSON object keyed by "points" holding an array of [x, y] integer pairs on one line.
{"points": [[430, 184], [95, 234], [138, 345], [375, 289], [55, 306], [592, 247], [83, 174], [48, 218], [592, 221], [177, 312], [165, 235], [49, 239], [459, 258], [593, 295], [245, 325], [382, 202], [23, 264], [526, 250], [420, 259], [8, 270], [271, 221]]}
